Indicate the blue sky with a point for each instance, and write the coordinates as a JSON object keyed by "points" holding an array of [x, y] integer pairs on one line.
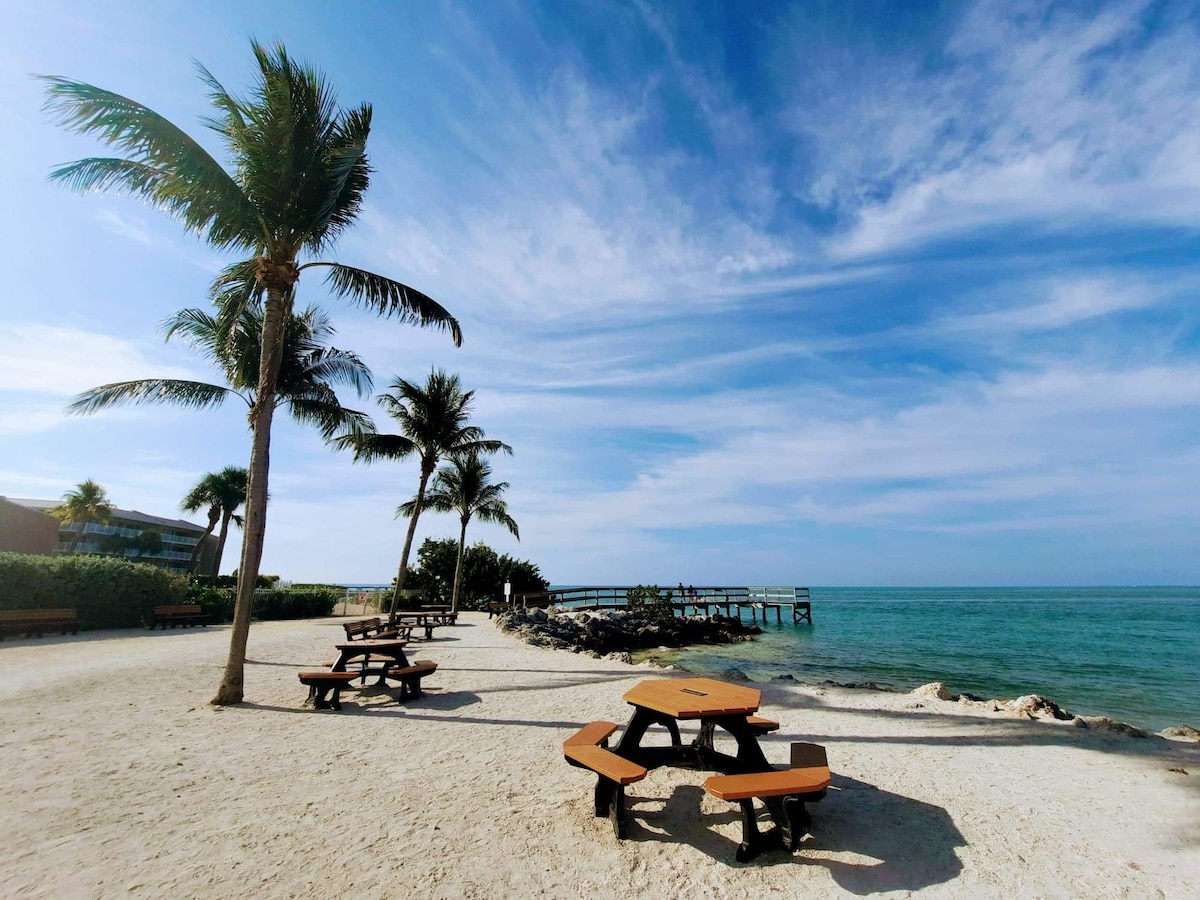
{"points": [[824, 293]]}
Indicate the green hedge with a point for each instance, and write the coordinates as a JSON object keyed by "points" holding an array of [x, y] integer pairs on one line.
{"points": [[107, 592], [286, 603], [104, 591]]}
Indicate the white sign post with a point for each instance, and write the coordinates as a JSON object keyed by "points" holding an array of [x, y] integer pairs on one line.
{"points": [[508, 593]]}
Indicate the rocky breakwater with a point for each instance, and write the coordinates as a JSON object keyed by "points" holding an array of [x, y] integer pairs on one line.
{"points": [[619, 631]]}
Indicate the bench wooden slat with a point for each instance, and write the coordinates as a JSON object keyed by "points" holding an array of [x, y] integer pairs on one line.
{"points": [[37, 615], [591, 734], [760, 724], [327, 677], [769, 784], [420, 667], [605, 762]]}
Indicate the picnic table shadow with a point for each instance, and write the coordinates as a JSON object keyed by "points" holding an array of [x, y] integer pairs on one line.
{"points": [[911, 843]]}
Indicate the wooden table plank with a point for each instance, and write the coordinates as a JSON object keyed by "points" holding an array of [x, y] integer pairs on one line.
{"points": [[694, 698]]}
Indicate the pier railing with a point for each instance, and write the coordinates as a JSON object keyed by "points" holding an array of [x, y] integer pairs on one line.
{"points": [[698, 600]]}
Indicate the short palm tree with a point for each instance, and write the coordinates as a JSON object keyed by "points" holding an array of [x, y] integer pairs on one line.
{"points": [[308, 371], [298, 172], [88, 503], [433, 420], [222, 493], [462, 486]]}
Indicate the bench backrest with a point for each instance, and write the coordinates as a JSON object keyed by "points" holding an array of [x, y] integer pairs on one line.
{"points": [[363, 627], [183, 609], [36, 615]]}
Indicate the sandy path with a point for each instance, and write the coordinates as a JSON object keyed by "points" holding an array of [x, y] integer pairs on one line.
{"points": [[121, 779]]}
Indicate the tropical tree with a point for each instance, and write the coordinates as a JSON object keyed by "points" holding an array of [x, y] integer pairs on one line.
{"points": [[298, 172], [86, 504], [463, 486], [433, 419], [222, 493], [309, 370]]}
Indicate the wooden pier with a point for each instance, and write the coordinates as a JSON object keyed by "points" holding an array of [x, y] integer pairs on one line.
{"points": [[698, 600]]}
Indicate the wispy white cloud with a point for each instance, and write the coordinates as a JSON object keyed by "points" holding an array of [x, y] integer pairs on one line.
{"points": [[1040, 114]]}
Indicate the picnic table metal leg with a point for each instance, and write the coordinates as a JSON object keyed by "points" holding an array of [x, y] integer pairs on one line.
{"points": [[610, 802]]}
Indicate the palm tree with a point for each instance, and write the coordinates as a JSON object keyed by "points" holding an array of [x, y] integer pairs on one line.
{"points": [[433, 421], [86, 504], [308, 371], [298, 172], [462, 487], [222, 492]]}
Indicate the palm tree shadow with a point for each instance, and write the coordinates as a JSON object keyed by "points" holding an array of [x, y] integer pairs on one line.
{"points": [[913, 842]]}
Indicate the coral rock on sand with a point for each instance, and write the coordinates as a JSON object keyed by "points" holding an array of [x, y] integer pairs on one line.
{"points": [[1035, 706], [934, 689], [1104, 723], [1180, 733]]}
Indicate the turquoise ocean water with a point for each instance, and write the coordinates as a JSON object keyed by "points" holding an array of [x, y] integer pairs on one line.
{"points": [[1129, 653]]}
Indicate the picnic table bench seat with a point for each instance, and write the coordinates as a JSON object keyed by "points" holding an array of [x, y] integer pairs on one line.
{"points": [[183, 614], [410, 677], [585, 750], [424, 619], [36, 622], [761, 725], [322, 683], [805, 782]]}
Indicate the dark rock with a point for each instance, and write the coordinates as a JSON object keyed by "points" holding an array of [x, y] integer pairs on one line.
{"points": [[733, 673], [784, 677]]}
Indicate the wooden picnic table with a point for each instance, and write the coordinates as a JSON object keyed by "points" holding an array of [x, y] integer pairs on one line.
{"points": [[665, 701], [351, 650]]}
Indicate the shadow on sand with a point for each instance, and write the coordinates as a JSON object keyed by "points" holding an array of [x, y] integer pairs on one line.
{"points": [[907, 844]]}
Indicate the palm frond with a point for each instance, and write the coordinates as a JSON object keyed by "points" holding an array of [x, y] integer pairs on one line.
{"points": [[334, 366], [369, 448], [193, 394], [389, 298], [177, 174]]}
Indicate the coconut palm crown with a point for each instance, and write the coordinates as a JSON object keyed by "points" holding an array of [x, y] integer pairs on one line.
{"points": [[86, 503], [308, 371], [434, 424], [297, 175], [222, 492], [464, 486]]}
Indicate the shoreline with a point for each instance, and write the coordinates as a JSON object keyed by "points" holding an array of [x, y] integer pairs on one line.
{"points": [[122, 771], [569, 632]]}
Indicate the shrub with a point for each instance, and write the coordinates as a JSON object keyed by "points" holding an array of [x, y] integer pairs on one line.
{"points": [[287, 603], [105, 592], [650, 601]]}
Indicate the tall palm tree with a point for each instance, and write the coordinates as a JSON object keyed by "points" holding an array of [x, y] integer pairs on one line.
{"points": [[298, 171], [222, 492], [433, 420], [463, 487], [86, 504]]}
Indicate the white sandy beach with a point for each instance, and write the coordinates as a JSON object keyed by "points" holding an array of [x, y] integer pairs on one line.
{"points": [[121, 779]]}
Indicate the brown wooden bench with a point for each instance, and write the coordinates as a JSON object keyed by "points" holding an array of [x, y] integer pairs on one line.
{"points": [[410, 677], [369, 628], [322, 683], [585, 749], [805, 782], [36, 622], [184, 614]]}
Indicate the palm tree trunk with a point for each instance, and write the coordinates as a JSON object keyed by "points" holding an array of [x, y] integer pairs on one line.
{"points": [[408, 538], [261, 414], [462, 544], [213, 514], [220, 551]]}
